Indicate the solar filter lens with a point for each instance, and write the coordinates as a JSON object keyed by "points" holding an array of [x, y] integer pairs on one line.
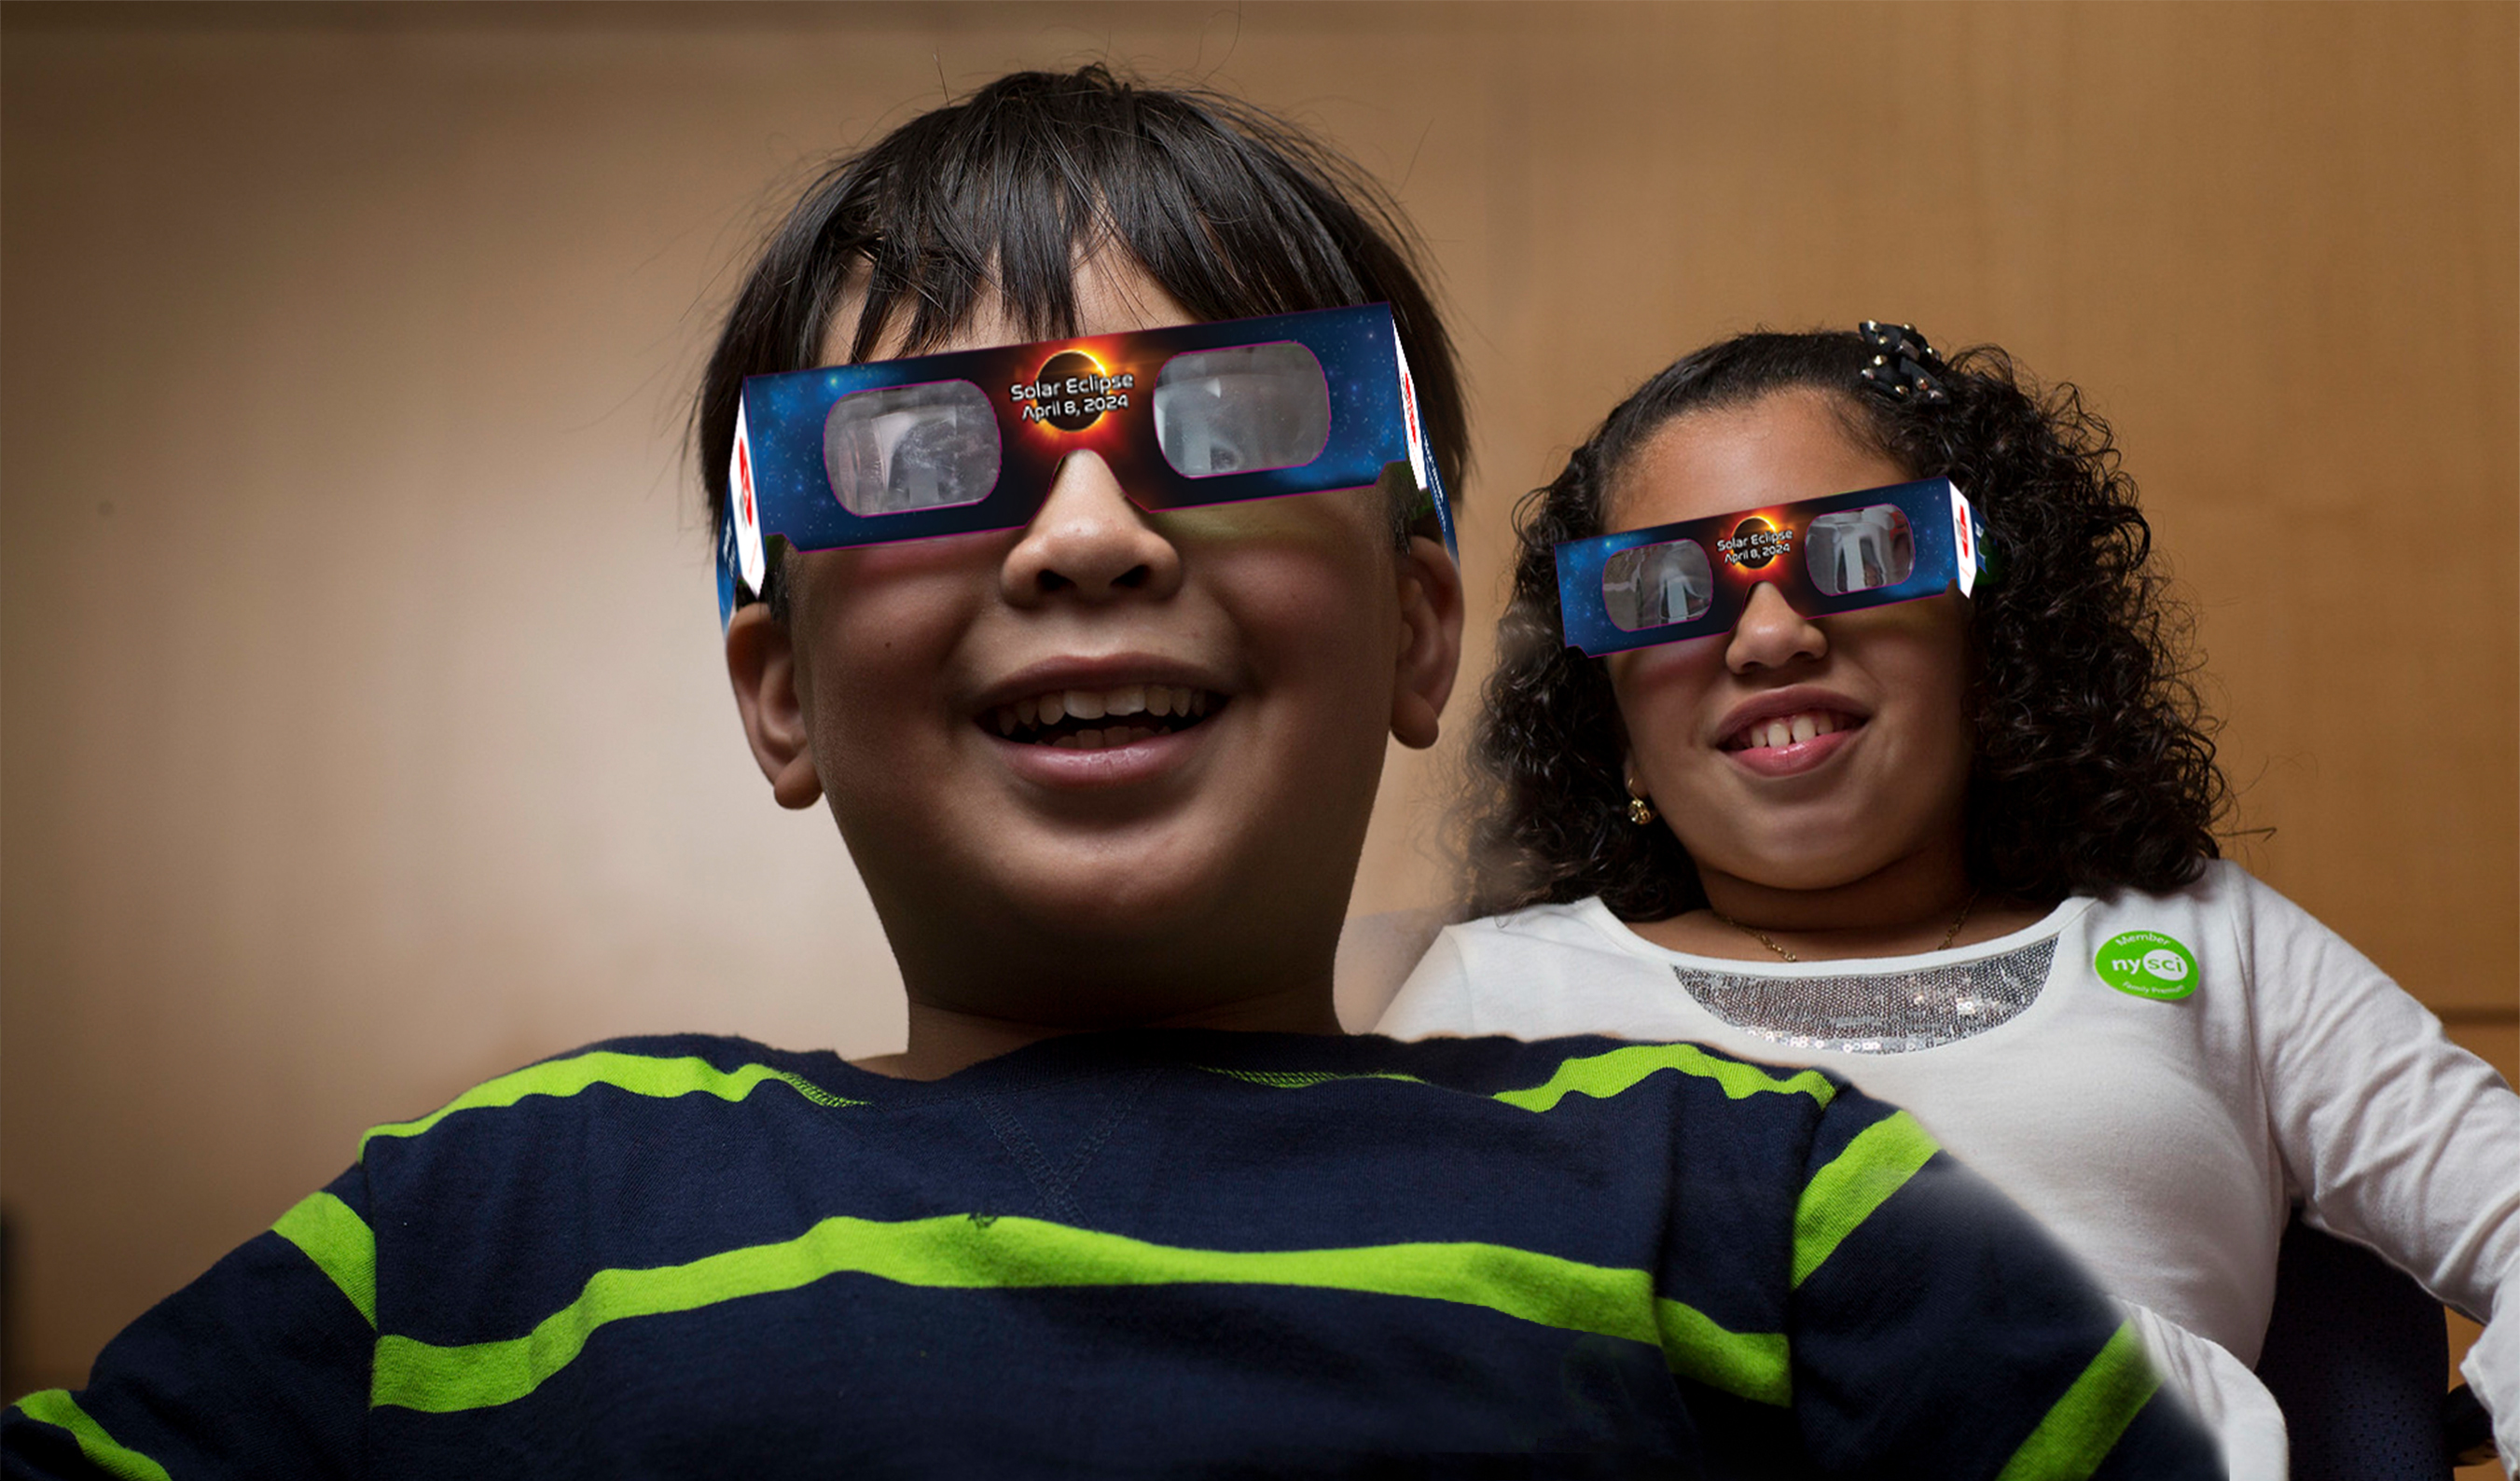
{"points": [[1650, 586], [1242, 408], [898, 448], [1859, 549]]}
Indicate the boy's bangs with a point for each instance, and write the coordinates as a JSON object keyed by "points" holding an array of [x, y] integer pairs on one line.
{"points": [[1218, 223]]}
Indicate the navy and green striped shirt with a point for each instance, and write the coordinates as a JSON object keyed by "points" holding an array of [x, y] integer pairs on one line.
{"points": [[1155, 1252]]}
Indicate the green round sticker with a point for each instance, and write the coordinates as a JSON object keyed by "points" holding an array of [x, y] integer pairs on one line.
{"points": [[2148, 965]]}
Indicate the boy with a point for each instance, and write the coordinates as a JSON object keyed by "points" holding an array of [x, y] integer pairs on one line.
{"points": [[1103, 740]]}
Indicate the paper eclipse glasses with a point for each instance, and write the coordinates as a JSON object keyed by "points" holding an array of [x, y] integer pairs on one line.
{"points": [[1838, 553], [947, 444]]}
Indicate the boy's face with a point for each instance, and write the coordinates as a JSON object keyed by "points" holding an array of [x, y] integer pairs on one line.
{"points": [[1042, 866]]}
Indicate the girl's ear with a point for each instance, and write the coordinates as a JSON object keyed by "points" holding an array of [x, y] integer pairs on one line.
{"points": [[761, 660], [1430, 642]]}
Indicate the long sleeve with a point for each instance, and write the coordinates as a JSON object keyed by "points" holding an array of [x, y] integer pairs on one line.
{"points": [[2392, 1136], [259, 1367], [1937, 1330]]}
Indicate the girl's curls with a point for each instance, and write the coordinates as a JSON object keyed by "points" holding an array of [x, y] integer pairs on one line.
{"points": [[2095, 761]]}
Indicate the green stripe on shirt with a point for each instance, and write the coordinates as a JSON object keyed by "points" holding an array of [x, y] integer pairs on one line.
{"points": [[1841, 1195], [1599, 1076], [970, 1252], [1604, 1075], [1304, 1079], [340, 1245], [55, 1407], [639, 1074], [2083, 1426]]}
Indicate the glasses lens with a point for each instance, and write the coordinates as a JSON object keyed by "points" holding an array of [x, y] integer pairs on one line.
{"points": [[1242, 410], [902, 448], [1858, 550], [1657, 585]]}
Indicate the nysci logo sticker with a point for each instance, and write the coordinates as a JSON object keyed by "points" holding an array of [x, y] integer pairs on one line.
{"points": [[2148, 965]]}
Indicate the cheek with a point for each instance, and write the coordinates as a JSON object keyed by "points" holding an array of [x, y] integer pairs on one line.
{"points": [[1661, 691], [883, 624], [1322, 630], [1921, 647], [1302, 579]]}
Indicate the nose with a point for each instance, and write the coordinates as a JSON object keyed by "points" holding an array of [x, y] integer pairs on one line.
{"points": [[1089, 542], [1771, 634]]}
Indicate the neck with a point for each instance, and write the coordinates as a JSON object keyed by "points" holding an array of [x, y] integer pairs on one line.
{"points": [[944, 1039], [1891, 911]]}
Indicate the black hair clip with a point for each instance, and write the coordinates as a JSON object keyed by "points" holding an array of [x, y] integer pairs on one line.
{"points": [[1904, 368]]}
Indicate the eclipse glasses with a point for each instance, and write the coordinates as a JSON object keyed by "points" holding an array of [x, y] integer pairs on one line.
{"points": [[948, 444], [1838, 553]]}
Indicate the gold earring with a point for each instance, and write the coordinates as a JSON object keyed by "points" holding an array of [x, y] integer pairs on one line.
{"points": [[1640, 811]]}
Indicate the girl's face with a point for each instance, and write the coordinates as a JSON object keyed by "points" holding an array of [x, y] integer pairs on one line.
{"points": [[1115, 765], [1792, 753]]}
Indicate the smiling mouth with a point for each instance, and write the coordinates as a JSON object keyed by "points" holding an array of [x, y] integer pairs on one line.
{"points": [[1076, 719], [1790, 730]]}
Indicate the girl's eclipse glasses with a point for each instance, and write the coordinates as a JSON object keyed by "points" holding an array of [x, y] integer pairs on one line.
{"points": [[949, 444], [1838, 553]]}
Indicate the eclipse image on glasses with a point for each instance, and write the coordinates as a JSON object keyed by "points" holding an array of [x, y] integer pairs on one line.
{"points": [[1838, 553], [1199, 414]]}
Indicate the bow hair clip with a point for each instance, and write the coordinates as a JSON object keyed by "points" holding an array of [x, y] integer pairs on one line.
{"points": [[1904, 368]]}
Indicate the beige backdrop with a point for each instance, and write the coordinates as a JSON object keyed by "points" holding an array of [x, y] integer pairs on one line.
{"points": [[364, 732]]}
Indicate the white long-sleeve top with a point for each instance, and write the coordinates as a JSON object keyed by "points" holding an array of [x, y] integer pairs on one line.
{"points": [[2163, 1138]]}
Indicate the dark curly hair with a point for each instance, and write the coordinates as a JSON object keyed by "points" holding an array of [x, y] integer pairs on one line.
{"points": [[2094, 760]]}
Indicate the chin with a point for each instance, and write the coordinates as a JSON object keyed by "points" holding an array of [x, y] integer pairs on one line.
{"points": [[1113, 906], [1805, 862]]}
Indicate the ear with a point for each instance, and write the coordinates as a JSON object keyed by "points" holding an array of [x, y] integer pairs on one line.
{"points": [[1430, 642], [761, 660]]}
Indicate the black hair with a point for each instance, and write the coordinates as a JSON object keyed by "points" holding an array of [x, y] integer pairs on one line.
{"points": [[1235, 212], [2094, 760]]}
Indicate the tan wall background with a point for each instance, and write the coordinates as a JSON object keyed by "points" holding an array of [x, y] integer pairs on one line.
{"points": [[362, 732]]}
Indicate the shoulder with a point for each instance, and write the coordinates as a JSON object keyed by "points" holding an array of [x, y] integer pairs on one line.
{"points": [[2224, 907], [1533, 972], [1586, 923], [610, 1075], [1520, 948]]}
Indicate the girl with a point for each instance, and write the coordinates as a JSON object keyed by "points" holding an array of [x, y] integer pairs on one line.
{"points": [[1957, 848]]}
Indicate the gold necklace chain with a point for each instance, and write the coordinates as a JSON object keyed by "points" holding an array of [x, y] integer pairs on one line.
{"points": [[1770, 942]]}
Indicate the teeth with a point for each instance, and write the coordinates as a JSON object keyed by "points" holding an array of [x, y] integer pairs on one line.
{"points": [[1149, 700], [1792, 729]]}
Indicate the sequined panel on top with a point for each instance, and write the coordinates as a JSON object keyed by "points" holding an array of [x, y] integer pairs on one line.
{"points": [[1877, 1013]]}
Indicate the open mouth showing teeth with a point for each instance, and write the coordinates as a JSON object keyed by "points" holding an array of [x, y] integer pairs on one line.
{"points": [[1788, 730], [1093, 719]]}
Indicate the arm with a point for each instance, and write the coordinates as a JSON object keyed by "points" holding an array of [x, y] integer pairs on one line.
{"points": [[1938, 1331], [2220, 1390], [2391, 1135], [258, 1369]]}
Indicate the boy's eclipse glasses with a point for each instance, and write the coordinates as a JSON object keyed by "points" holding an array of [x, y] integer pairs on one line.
{"points": [[1837, 554], [948, 444]]}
